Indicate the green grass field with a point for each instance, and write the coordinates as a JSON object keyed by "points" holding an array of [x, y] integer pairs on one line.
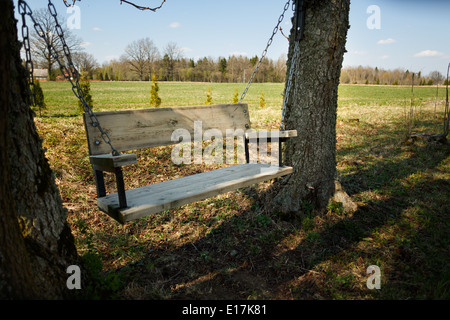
{"points": [[354, 101], [230, 246]]}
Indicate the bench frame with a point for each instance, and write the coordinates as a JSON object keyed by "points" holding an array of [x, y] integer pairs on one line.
{"points": [[163, 119]]}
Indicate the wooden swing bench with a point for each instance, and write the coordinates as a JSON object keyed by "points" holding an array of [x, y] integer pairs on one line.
{"points": [[138, 129]]}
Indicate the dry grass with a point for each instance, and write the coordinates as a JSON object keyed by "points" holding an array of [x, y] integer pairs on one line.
{"points": [[231, 247]]}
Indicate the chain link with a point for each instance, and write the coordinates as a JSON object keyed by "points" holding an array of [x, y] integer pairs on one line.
{"points": [[269, 43], [26, 44], [289, 83], [69, 72]]}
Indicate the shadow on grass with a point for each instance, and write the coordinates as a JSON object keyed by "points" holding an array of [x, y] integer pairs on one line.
{"points": [[257, 255]]}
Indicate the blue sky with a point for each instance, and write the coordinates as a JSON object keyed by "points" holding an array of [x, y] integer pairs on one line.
{"points": [[413, 35], [408, 34]]}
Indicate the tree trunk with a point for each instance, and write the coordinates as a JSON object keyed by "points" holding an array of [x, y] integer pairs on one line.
{"points": [[312, 106], [36, 244]]}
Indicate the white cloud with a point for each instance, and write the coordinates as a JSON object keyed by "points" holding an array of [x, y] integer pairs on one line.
{"points": [[429, 53], [387, 41], [96, 29], [385, 57], [186, 49], [174, 25], [85, 44]]}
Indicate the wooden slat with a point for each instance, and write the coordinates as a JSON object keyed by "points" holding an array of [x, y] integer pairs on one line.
{"points": [[136, 129], [174, 193], [280, 134], [108, 162]]}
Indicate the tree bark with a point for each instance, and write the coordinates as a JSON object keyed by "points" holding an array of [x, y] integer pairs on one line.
{"points": [[312, 106], [36, 243]]}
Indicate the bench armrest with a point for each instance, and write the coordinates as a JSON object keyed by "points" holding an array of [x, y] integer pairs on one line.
{"points": [[109, 163], [269, 135]]}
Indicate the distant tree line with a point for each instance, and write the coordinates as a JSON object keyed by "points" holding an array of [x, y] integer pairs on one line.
{"points": [[142, 60], [370, 75], [207, 69]]}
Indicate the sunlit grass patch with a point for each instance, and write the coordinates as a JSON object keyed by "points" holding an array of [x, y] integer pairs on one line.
{"points": [[232, 247]]}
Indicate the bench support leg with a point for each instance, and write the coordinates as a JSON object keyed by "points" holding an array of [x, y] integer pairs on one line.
{"points": [[247, 152], [280, 149], [280, 153], [100, 183], [121, 188]]}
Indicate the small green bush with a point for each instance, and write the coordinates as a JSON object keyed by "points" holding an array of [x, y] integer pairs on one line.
{"points": [[208, 97], [235, 96], [262, 100], [86, 89], [98, 285], [155, 100], [336, 207], [39, 100]]}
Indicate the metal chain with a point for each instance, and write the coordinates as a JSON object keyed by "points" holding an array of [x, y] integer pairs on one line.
{"points": [[289, 83], [69, 72], [26, 44], [298, 7], [269, 43], [69, 5]]}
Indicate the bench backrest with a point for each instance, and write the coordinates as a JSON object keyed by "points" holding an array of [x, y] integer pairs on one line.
{"points": [[145, 128]]}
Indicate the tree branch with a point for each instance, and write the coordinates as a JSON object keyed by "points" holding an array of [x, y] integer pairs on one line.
{"points": [[284, 34], [127, 2], [68, 5], [143, 8]]}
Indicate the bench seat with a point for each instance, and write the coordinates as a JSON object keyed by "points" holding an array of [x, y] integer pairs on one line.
{"points": [[130, 130], [170, 194]]}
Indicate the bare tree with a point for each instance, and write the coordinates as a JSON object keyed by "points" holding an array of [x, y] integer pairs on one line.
{"points": [[141, 55], [172, 54], [85, 62], [280, 68], [437, 77], [238, 67], [39, 48]]}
